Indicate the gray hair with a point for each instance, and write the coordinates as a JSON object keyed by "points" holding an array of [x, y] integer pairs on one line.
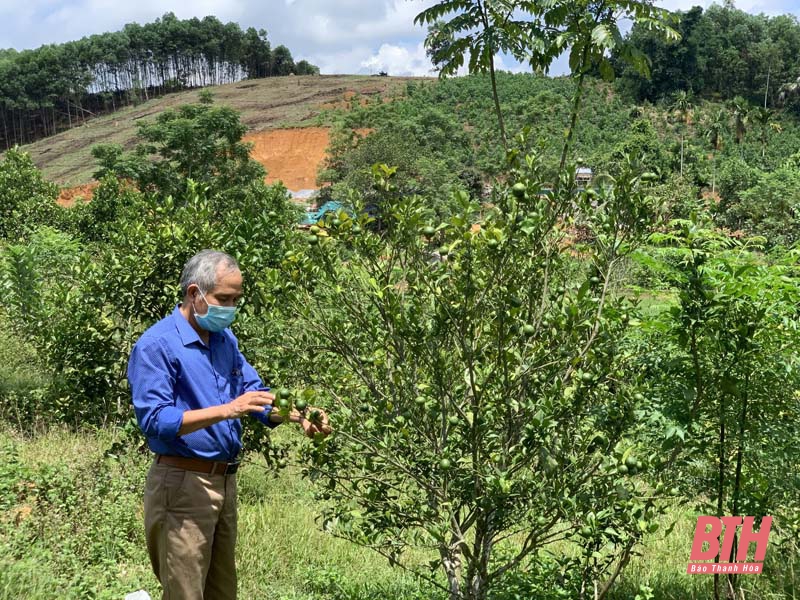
{"points": [[201, 270]]}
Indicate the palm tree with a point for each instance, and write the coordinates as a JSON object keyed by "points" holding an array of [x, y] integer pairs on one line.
{"points": [[483, 27], [714, 131], [788, 90], [682, 107], [740, 113], [764, 116]]}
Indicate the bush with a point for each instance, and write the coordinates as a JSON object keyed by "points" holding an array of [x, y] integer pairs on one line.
{"points": [[26, 199]]}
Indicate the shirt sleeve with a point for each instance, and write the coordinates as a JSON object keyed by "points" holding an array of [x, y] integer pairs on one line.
{"points": [[250, 377], [152, 380]]}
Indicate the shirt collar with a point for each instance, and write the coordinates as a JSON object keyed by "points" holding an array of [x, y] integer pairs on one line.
{"points": [[185, 330]]}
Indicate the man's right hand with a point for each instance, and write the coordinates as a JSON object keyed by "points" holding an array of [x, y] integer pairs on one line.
{"points": [[247, 403]]}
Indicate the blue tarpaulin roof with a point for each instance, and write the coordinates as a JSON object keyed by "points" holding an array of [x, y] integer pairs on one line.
{"points": [[330, 206]]}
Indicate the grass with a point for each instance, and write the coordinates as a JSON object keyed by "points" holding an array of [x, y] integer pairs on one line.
{"points": [[71, 538], [80, 533]]}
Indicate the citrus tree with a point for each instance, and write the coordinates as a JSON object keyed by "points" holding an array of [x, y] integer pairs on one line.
{"points": [[476, 375]]}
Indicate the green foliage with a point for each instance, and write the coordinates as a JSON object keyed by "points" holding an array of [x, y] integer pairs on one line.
{"points": [[80, 525], [641, 143], [26, 199], [200, 142], [83, 307], [769, 208], [724, 378], [709, 58], [443, 165], [449, 126]]}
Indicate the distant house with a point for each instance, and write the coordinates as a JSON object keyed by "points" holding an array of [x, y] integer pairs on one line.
{"points": [[583, 177]]}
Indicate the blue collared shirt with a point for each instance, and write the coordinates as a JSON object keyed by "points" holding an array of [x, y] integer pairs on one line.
{"points": [[171, 370]]}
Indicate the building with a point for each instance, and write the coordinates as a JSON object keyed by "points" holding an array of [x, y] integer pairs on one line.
{"points": [[583, 177]]}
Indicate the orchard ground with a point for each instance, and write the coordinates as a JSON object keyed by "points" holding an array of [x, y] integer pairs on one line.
{"points": [[282, 552]]}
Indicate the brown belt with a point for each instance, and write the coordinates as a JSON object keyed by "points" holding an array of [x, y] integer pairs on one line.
{"points": [[198, 464]]}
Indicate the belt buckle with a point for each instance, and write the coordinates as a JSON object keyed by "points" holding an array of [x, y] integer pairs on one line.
{"points": [[231, 468]]}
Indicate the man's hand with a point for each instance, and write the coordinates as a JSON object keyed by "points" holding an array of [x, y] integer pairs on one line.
{"points": [[310, 427], [247, 403], [318, 424]]}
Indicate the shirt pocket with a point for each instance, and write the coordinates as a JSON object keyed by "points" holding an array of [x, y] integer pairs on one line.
{"points": [[236, 383]]}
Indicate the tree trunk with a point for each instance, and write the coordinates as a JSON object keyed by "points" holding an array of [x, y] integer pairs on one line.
{"points": [[478, 569], [5, 130], [497, 104], [720, 482], [737, 484], [451, 561], [576, 107]]}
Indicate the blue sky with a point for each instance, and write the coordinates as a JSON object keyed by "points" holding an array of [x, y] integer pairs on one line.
{"points": [[340, 36]]}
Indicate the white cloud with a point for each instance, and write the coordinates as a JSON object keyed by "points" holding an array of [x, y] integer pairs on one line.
{"points": [[399, 60]]}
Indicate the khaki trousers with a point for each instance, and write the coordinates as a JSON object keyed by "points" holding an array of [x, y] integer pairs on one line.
{"points": [[190, 526]]}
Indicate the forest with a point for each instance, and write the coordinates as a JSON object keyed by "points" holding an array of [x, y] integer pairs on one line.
{"points": [[59, 86], [722, 53]]}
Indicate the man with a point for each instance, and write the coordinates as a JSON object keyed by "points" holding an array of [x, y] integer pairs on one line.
{"points": [[190, 386]]}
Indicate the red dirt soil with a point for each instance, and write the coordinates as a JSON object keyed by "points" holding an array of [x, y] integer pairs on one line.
{"points": [[69, 196], [292, 156]]}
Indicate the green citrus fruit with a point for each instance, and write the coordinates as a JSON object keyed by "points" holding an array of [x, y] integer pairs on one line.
{"points": [[284, 393], [312, 240], [444, 464], [428, 231], [314, 229], [300, 404], [453, 420], [518, 189], [528, 329]]}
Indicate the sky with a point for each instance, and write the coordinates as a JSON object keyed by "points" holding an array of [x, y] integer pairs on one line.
{"points": [[339, 36]]}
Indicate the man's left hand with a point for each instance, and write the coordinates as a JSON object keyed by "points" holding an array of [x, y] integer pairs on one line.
{"points": [[319, 425], [310, 428]]}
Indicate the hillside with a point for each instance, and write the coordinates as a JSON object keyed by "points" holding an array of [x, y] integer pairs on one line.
{"points": [[265, 104]]}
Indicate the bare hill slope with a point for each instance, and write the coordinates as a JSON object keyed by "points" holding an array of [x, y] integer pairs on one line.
{"points": [[265, 104]]}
